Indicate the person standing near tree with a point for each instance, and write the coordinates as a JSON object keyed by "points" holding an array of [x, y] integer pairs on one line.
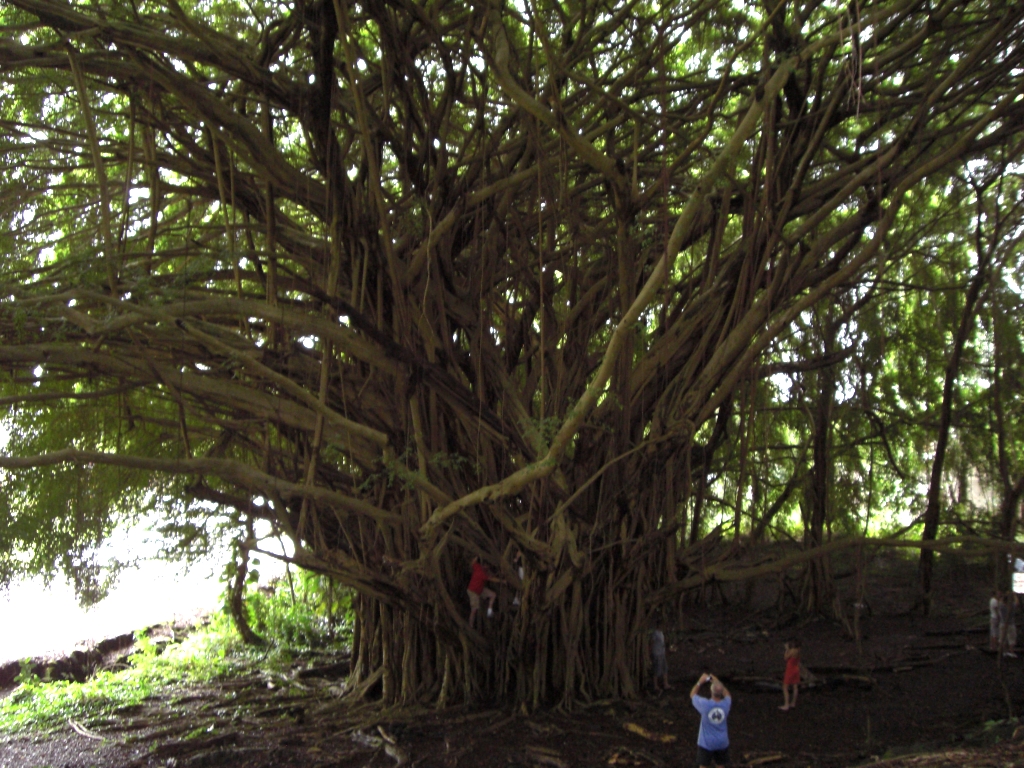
{"points": [[659, 661], [1008, 624], [993, 620], [713, 737], [791, 676]]}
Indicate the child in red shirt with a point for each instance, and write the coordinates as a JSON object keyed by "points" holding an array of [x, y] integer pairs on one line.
{"points": [[477, 589], [791, 677]]}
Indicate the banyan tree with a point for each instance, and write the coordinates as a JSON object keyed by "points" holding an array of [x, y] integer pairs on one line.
{"points": [[405, 283]]}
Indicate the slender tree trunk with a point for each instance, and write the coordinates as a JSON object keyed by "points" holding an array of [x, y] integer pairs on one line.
{"points": [[236, 599], [931, 513], [817, 588]]}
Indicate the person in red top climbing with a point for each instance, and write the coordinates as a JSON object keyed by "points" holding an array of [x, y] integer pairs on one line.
{"points": [[477, 589], [791, 677]]}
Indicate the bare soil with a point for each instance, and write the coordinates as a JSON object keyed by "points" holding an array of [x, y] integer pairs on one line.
{"points": [[915, 691]]}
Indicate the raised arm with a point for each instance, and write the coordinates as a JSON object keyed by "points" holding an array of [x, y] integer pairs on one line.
{"points": [[704, 678]]}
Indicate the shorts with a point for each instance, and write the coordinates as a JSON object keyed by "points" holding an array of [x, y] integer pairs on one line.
{"points": [[709, 756], [659, 666], [474, 598]]}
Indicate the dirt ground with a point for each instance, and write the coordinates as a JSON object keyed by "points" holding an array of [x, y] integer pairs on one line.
{"points": [[916, 691]]}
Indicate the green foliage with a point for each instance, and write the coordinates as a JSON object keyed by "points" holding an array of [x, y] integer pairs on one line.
{"points": [[56, 516], [303, 612], [319, 617], [40, 705], [25, 675], [209, 653]]}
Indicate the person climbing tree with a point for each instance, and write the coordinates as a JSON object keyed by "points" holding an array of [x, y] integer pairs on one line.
{"points": [[478, 588]]}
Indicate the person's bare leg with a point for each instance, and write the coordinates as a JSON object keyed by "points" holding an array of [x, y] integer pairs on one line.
{"points": [[785, 698], [796, 689], [472, 618], [664, 682]]}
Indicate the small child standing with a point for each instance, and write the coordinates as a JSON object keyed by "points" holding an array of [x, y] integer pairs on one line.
{"points": [[791, 677], [659, 662]]}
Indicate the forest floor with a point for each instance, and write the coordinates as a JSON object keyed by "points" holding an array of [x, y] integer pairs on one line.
{"points": [[918, 691]]}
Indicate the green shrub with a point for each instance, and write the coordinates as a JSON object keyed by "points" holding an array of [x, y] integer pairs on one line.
{"points": [[304, 612]]}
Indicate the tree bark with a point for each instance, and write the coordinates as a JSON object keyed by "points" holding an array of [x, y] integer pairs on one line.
{"points": [[236, 598]]}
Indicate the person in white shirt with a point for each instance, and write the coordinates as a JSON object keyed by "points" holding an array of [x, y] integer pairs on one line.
{"points": [[993, 621]]}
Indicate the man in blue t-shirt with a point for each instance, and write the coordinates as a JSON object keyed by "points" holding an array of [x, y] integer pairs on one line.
{"points": [[713, 739]]}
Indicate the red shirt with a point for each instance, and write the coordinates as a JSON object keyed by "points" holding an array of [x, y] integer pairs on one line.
{"points": [[479, 579], [792, 674]]}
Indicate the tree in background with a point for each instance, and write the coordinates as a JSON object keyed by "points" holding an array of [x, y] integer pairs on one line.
{"points": [[417, 283]]}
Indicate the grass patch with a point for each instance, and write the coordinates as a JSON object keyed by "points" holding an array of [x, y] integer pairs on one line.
{"points": [[293, 617], [38, 704]]}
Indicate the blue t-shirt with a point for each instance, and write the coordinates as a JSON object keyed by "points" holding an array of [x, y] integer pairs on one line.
{"points": [[714, 732]]}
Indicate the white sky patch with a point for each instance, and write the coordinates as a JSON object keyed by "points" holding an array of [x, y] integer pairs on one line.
{"points": [[782, 383], [1011, 282], [49, 619], [977, 166]]}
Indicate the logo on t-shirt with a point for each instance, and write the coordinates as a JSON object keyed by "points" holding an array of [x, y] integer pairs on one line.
{"points": [[717, 715]]}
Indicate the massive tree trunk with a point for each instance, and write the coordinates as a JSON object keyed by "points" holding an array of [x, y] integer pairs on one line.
{"points": [[416, 284]]}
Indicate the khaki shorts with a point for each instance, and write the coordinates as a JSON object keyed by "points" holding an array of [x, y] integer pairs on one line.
{"points": [[474, 598]]}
